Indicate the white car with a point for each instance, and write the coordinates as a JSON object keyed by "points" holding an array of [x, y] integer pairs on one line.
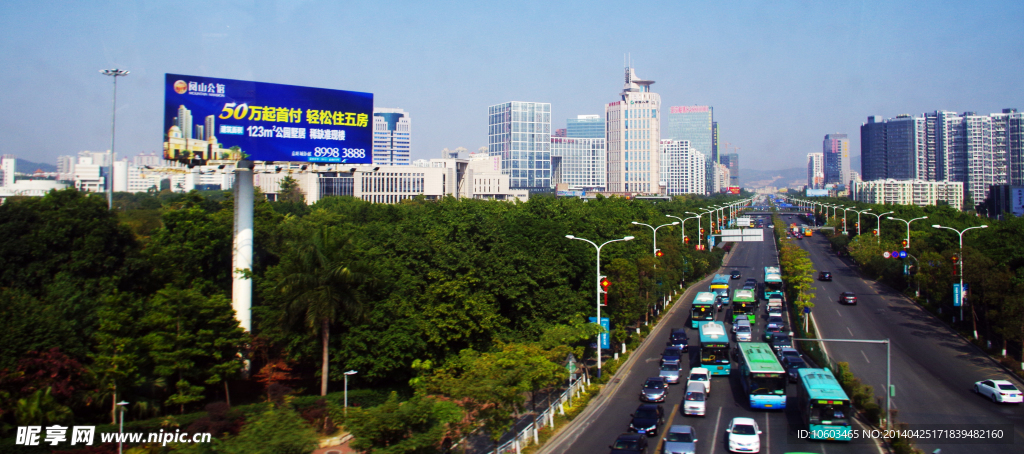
{"points": [[999, 391], [700, 375], [744, 436], [743, 334]]}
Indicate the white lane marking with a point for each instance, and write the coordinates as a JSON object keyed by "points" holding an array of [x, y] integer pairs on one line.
{"points": [[714, 436], [767, 436], [850, 330], [840, 313], [865, 356]]}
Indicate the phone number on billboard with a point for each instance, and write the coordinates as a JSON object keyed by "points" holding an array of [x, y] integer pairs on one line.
{"points": [[339, 152]]}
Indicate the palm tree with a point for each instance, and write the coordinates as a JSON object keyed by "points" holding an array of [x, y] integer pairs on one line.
{"points": [[320, 284]]}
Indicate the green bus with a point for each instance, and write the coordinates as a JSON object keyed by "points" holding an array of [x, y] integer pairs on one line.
{"points": [[763, 378], [702, 309], [744, 304], [824, 405]]}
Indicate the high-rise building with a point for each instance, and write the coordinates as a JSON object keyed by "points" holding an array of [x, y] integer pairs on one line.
{"points": [[714, 142], [633, 126], [585, 127], [184, 122], [1008, 145], [815, 171], [734, 169], [583, 162], [65, 168], [520, 132], [695, 124], [392, 137], [684, 171], [8, 167], [836, 159], [210, 123]]}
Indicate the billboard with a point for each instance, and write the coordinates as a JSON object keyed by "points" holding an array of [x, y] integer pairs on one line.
{"points": [[734, 190], [816, 193], [224, 119], [1017, 198]]}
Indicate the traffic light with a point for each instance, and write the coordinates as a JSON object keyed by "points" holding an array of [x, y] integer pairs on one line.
{"points": [[702, 231], [686, 239], [955, 258], [876, 232], [658, 253], [605, 283], [905, 244]]}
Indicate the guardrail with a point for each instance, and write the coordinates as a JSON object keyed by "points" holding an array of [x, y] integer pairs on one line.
{"points": [[531, 433]]}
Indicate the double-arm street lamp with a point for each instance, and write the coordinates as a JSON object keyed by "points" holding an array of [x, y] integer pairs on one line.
{"points": [[598, 288], [961, 261], [858, 218], [907, 246], [654, 247], [845, 209], [878, 224], [683, 224]]}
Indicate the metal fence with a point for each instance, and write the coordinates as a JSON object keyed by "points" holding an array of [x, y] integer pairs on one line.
{"points": [[531, 433]]}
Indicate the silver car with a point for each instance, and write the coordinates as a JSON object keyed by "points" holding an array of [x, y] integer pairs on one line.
{"points": [[743, 333], [654, 390], [670, 372], [681, 440]]}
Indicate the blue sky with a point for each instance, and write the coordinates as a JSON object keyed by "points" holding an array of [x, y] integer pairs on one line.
{"points": [[780, 75]]}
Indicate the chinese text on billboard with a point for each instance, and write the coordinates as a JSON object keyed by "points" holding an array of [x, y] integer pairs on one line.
{"points": [[223, 119]]}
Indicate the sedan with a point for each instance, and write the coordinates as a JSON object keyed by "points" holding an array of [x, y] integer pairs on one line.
{"points": [[999, 391], [825, 276], [848, 298], [629, 444], [751, 283], [646, 419], [734, 275], [744, 436], [654, 390], [792, 365], [776, 320], [680, 439], [780, 340], [670, 372], [672, 354]]}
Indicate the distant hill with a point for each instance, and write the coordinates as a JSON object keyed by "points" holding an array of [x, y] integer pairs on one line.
{"points": [[756, 178], [24, 166]]}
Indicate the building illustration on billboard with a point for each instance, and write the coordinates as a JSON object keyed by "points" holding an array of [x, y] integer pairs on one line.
{"points": [[264, 122]]}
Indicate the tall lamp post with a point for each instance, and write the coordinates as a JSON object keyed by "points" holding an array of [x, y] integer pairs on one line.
{"points": [[878, 224], [120, 430], [598, 285], [961, 261], [845, 231], [351, 372], [908, 225], [700, 238], [858, 218], [654, 247], [682, 221], [113, 117]]}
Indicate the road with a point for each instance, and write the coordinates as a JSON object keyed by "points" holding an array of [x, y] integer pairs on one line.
{"points": [[609, 416], [933, 369]]}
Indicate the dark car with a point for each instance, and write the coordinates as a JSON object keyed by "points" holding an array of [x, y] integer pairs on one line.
{"points": [[679, 338], [848, 298], [647, 419], [791, 365], [771, 329], [825, 276], [776, 320], [629, 444], [750, 284], [671, 354], [735, 274], [655, 389], [780, 340]]}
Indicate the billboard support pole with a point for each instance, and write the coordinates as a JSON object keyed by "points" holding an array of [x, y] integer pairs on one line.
{"points": [[241, 285]]}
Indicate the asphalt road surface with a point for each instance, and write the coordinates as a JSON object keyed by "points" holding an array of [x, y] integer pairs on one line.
{"points": [[609, 415], [933, 369]]}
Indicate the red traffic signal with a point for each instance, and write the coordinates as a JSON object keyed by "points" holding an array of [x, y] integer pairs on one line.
{"points": [[955, 258], [686, 239], [701, 231], [876, 232], [905, 244], [605, 283], [659, 253]]}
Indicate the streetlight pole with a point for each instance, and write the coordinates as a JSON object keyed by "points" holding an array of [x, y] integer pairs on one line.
{"points": [[908, 225], [113, 119], [120, 430], [351, 372], [700, 238], [858, 219], [845, 232], [598, 293], [878, 224], [654, 247], [961, 261], [682, 240]]}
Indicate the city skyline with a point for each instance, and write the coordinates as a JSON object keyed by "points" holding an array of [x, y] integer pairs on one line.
{"points": [[759, 64]]}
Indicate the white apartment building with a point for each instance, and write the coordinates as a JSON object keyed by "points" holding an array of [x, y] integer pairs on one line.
{"points": [[722, 177], [910, 192], [816, 170], [392, 137], [633, 126], [685, 167], [583, 162], [478, 177]]}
